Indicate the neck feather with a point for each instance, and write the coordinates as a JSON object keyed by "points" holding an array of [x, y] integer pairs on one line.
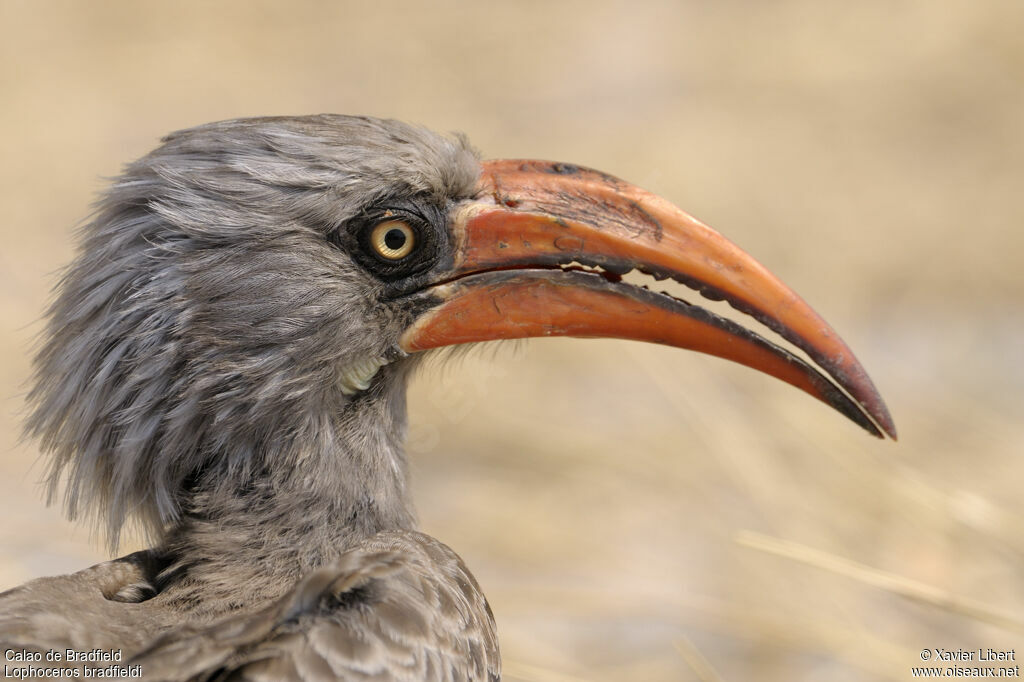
{"points": [[342, 480]]}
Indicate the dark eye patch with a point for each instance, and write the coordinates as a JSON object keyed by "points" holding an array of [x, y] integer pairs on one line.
{"points": [[426, 230]]}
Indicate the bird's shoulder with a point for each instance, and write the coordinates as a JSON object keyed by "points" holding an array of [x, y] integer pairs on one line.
{"points": [[67, 611], [398, 606]]}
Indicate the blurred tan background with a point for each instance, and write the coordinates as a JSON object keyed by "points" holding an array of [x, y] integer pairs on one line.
{"points": [[634, 513]]}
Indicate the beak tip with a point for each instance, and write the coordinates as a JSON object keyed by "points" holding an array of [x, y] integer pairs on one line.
{"points": [[879, 414], [890, 428]]}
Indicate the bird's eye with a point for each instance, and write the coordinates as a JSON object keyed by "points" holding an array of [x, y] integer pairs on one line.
{"points": [[396, 240], [393, 240]]}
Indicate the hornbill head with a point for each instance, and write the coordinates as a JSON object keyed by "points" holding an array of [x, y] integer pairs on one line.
{"points": [[250, 278]]}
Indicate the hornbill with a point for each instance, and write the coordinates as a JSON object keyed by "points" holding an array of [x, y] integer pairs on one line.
{"points": [[226, 359]]}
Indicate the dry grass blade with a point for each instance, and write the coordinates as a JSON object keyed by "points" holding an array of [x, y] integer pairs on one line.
{"points": [[700, 665], [873, 658], [891, 582]]}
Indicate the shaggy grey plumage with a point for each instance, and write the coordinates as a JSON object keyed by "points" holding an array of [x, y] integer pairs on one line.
{"points": [[192, 380]]}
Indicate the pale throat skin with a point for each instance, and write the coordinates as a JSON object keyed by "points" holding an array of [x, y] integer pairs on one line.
{"points": [[357, 376]]}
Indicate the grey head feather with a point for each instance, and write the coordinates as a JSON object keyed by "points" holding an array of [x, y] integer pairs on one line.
{"points": [[206, 323]]}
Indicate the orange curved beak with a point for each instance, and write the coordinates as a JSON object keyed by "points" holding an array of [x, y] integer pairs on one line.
{"points": [[516, 273]]}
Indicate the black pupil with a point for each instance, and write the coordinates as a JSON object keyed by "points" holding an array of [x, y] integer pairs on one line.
{"points": [[394, 239]]}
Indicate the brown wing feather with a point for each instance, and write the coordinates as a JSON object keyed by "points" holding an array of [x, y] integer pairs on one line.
{"points": [[401, 606]]}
